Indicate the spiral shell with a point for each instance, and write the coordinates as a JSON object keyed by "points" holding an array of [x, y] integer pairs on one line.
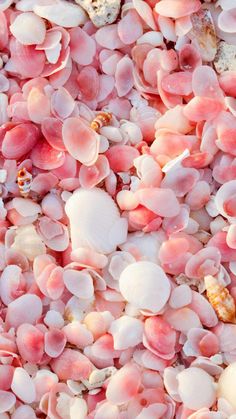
{"points": [[24, 180], [102, 119], [220, 299]]}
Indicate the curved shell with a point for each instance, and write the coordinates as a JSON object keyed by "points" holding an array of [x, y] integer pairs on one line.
{"points": [[95, 221]]}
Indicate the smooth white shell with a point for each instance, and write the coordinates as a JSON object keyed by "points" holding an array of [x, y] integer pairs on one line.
{"points": [[145, 285], [28, 29], [62, 13], [226, 384], [196, 388], [95, 221]]}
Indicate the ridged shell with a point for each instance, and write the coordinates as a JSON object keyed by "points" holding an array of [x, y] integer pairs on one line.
{"points": [[220, 299]]}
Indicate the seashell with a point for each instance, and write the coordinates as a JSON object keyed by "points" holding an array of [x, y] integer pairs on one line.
{"points": [[7, 401], [177, 8], [220, 299], [24, 180], [124, 385], [28, 29], [84, 208], [101, 120], [28, 242], [226, 384], [19, 140], [23, 385], [61, 13]]}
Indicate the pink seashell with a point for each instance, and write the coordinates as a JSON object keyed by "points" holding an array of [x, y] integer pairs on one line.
{"points": [[88, 83], [38, 105], [7, 401], [19, 140], [24, 309], [23, 385], [159, 337], [205, 262], [43, 183], [45, 157], [106, 86], [79, 283], [3, 31], [173, 249], [12, 284], [176, 9], [59, 97], [203, 342], [121, 157], [30, 343], [204, 309], [145, 12], [162, 202], [88, 258], [124, 76], [205, 83], [6, 377], [179, 83], [93, 175], [120, 108], [54, 234], [52, 206], [78, 334], [82, 46], [80, 141], [61, 13], [71, 365], [130, 27], [175, 120], [198, 196], [55, 341], [28, 29], [28, 62], [189, 57], [44, 380], [202, 108], [124, 385], [14, 257], [52, 131], [108, 37], [180, 180]]}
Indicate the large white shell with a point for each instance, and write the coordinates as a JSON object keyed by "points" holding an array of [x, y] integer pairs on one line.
{"points": [[61, 12], [145, 285], [28, 29], [95, 221]]}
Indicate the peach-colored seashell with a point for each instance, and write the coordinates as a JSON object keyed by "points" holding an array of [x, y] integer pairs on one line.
{"points": [[38, 105], [78, 334], [83, 46], [28, 29], [161, 201], [176, 9], [19, 140], [30, 343], [205, 83], [220, 299], [202, 108], [71, 364], [124, 385], [80, 141]]}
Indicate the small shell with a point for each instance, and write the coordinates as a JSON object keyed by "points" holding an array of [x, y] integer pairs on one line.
{"points": [[220, 299], [24, 180], [101, 120]]}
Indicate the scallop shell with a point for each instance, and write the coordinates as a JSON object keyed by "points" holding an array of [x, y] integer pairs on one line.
{"points": [[220, 299]]}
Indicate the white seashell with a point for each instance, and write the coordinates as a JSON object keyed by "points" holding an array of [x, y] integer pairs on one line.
{"points": [[133, 132], [26, 207], [95, 221], [53, 54], [226, 384], [111, 133], [28, 29], [23, 386], [3, 107], [5, 4], [28, 242], [61, 13], [145, 285], [127, 332], [78, 283], [154, 38], [25, 5], [78, 409], [3, 175], [7, 401], [196, 388]]}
